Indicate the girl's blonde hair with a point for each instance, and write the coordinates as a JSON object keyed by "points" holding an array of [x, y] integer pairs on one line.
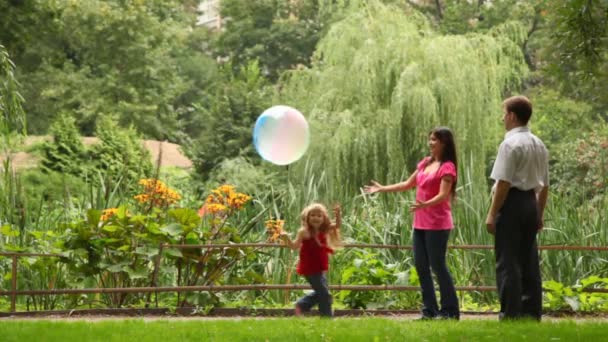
{"points": [[333, 236]]}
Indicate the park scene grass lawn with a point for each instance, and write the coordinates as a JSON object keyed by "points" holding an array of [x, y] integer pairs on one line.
{"points": [[140, 171], [293, 329]]}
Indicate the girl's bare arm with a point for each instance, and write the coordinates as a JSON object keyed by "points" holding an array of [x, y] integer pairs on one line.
{"points": [[295, 244], [337, 218]]}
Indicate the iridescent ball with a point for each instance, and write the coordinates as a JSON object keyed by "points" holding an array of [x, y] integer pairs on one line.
{"points": [[281, 135]]}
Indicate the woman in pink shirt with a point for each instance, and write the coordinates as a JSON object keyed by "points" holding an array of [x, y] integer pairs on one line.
{"points": [[435, 182]]}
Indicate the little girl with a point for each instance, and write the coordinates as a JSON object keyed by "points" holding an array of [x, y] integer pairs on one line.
{"points": [[316, 239]]}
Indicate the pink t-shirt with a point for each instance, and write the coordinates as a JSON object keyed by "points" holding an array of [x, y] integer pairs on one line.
{"points": [[437, 217]]}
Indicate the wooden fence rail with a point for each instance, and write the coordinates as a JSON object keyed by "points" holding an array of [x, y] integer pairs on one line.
{"points": [[13, 293]]}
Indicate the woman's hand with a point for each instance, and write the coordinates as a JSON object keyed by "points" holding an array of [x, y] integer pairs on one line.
{"points": [[418, 205], [373, 188]]}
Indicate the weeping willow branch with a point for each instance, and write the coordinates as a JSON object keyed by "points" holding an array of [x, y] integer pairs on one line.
{"points": [[382, 78]]}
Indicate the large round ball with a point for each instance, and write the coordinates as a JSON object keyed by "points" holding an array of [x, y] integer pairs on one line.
{"points": [[281, 135]]}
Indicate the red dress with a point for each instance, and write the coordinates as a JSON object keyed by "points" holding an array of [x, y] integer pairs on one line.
{"points": [[314, 258]]}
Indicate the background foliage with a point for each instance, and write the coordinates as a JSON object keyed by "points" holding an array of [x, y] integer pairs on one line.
{"points": [[372, 77]]}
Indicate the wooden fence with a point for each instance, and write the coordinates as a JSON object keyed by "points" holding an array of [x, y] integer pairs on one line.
{"points": [[13, 293]]}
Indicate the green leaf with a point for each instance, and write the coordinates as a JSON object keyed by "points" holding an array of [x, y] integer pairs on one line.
{"points": [[592, 280], [186, 217], [147, 251], [116, 268], [140, 273], [347, 274], [37, 234], [110, 228], [7, 230], [139, 219], [153, 228], [552, 285], [93, 217], [174, 252], [173, 229], [121, 213]]}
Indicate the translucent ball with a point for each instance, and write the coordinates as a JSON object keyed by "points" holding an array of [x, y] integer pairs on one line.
{"points": [[281, 135]]}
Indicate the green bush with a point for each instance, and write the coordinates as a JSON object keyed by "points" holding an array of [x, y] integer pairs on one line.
{"points": [[50, 186], [65, 153], [368, 269], [120, 155]]}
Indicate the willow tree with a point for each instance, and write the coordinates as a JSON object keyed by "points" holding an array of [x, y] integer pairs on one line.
{"points": [[382, 78], [12, 117], [12, 129]]}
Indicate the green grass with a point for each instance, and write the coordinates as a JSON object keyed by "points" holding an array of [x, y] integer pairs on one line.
{"points": [[291, 329]]}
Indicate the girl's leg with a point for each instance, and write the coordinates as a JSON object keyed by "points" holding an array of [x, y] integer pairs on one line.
{"points": [[307, 302], [318, 282], [437, 243], [421, 261]]}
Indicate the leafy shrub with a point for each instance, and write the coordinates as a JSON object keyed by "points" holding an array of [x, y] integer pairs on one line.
{"points": [[368, 269], [580, 166], [120, 153], [118, 247], [65, 153], [50, 186], [228, 119], [560, 297]]}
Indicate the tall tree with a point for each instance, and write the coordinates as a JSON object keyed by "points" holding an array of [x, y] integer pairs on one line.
{"points": [[12, 116], [280, 34], [228, 116], [576, 55], [94, 58], [382, 78], [12, 128]]}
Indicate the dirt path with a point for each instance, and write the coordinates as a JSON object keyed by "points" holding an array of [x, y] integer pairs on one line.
{"points": [[171, 154]]}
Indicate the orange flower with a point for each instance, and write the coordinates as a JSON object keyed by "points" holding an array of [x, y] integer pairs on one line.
{"points": [[274, 229], [107, 213], [226, 196], [215, 208], [157, 193]]}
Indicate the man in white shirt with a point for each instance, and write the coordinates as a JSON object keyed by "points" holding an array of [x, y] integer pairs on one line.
{"points": [[521, 172]]}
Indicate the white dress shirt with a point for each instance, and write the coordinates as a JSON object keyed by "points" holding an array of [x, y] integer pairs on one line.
{"points": [[522, 160]]}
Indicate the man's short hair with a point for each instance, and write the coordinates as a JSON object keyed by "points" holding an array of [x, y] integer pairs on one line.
{"points": [[521, 106]]}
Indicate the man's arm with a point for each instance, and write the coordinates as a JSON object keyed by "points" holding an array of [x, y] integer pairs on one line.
{"points": [[541, 202], [498, 199]]}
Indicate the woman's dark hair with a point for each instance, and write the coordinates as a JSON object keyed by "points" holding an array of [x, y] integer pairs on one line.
{"points": [[445, 136]]}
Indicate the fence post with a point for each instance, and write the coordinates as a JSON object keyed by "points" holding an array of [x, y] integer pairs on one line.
{"points": [[14, 284]]}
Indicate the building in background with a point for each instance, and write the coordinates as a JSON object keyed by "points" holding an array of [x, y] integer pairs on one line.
{"points": [[209, 14]]}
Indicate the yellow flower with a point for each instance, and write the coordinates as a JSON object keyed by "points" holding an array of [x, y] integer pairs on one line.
{"points": [[215, 208], [274, 229], [107, 213], [226, 198], [157, 193]]}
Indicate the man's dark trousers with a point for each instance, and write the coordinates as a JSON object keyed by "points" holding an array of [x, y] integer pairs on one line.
{"points": [[517, 267]]}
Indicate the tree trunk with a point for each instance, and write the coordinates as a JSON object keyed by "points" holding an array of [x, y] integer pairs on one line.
{"points": [[439, 9]]}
